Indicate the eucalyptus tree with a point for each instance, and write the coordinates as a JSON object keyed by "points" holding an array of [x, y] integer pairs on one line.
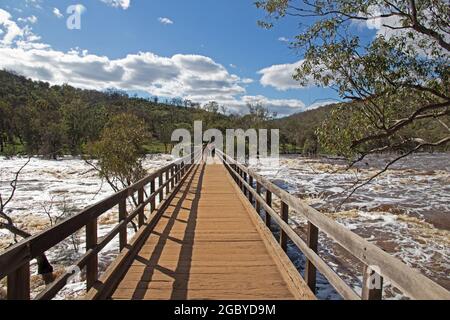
{"points": [[396, 78]]}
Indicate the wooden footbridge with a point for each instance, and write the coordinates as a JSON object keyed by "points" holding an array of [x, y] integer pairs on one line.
{"points": [[203, 232]]}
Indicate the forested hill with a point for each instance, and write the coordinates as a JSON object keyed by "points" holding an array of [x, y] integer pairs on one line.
{"points": [[38, 118], [50, 120], [298, 131]]}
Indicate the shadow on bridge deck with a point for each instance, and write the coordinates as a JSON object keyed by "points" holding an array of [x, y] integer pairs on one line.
{"points": [[208, 244]]}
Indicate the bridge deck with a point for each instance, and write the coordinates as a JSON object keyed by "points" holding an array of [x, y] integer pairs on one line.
{"points": [[210, 245]]}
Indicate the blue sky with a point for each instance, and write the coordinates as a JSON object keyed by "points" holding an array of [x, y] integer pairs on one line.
{"points": [[200, 50]]}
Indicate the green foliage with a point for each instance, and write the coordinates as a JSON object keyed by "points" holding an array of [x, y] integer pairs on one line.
{"points": [[119, 150], [398, 80], [296, 129], [53, 120], [310, 147]]}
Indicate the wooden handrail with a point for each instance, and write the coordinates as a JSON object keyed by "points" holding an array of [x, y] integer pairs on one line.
{"points": [[16, 260], [411, 282]]}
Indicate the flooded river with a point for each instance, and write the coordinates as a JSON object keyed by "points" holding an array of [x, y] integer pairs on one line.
{"points": [[406, 211]]}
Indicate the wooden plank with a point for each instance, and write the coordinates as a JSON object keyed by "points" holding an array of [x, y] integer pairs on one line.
{"points": [[110, 279], [193, 237], [410, 281], [340, 285]]}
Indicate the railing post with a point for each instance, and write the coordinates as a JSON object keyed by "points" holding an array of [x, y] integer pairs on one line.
{"points": [[167, 180], [269, 203], [240, 175], [372, 285], [177, 173], [172, 173], [244, 189], [250, 195], [92, 264], [285, 216], [18, 283], [161, 192], [141, 216], [152, 191], [310, 271], [122, 216], [258, 191]]}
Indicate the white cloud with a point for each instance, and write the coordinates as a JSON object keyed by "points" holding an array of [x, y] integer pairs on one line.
{"points": [[283, 39], [165, 20], [392, 26], [57, 13], [280, 76], [124, 4], [33, 3], [281, 107], [12, 29], [30, 19], [79, 8], [195, 77]]}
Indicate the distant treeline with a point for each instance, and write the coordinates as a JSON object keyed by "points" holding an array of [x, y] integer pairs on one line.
{"points": [[36, 118], [40, 119]]}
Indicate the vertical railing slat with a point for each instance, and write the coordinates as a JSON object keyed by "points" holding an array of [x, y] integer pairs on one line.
{"points": [[123, 235], [310, 270], [152, 191], [257, 204], [161, 192], [372, 285], [244, 189], [285, 216], [92, 264], [18, 283], [172, 173], [269, 203], [141, 215], [250, 195], [168, 184]]}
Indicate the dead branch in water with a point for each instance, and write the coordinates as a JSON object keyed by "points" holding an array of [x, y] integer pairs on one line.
{"points": [[44, 266], [360, 184]]}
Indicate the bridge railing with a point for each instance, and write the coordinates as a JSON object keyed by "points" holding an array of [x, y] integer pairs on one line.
{"points": [[15, 261], [377, 263]]}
